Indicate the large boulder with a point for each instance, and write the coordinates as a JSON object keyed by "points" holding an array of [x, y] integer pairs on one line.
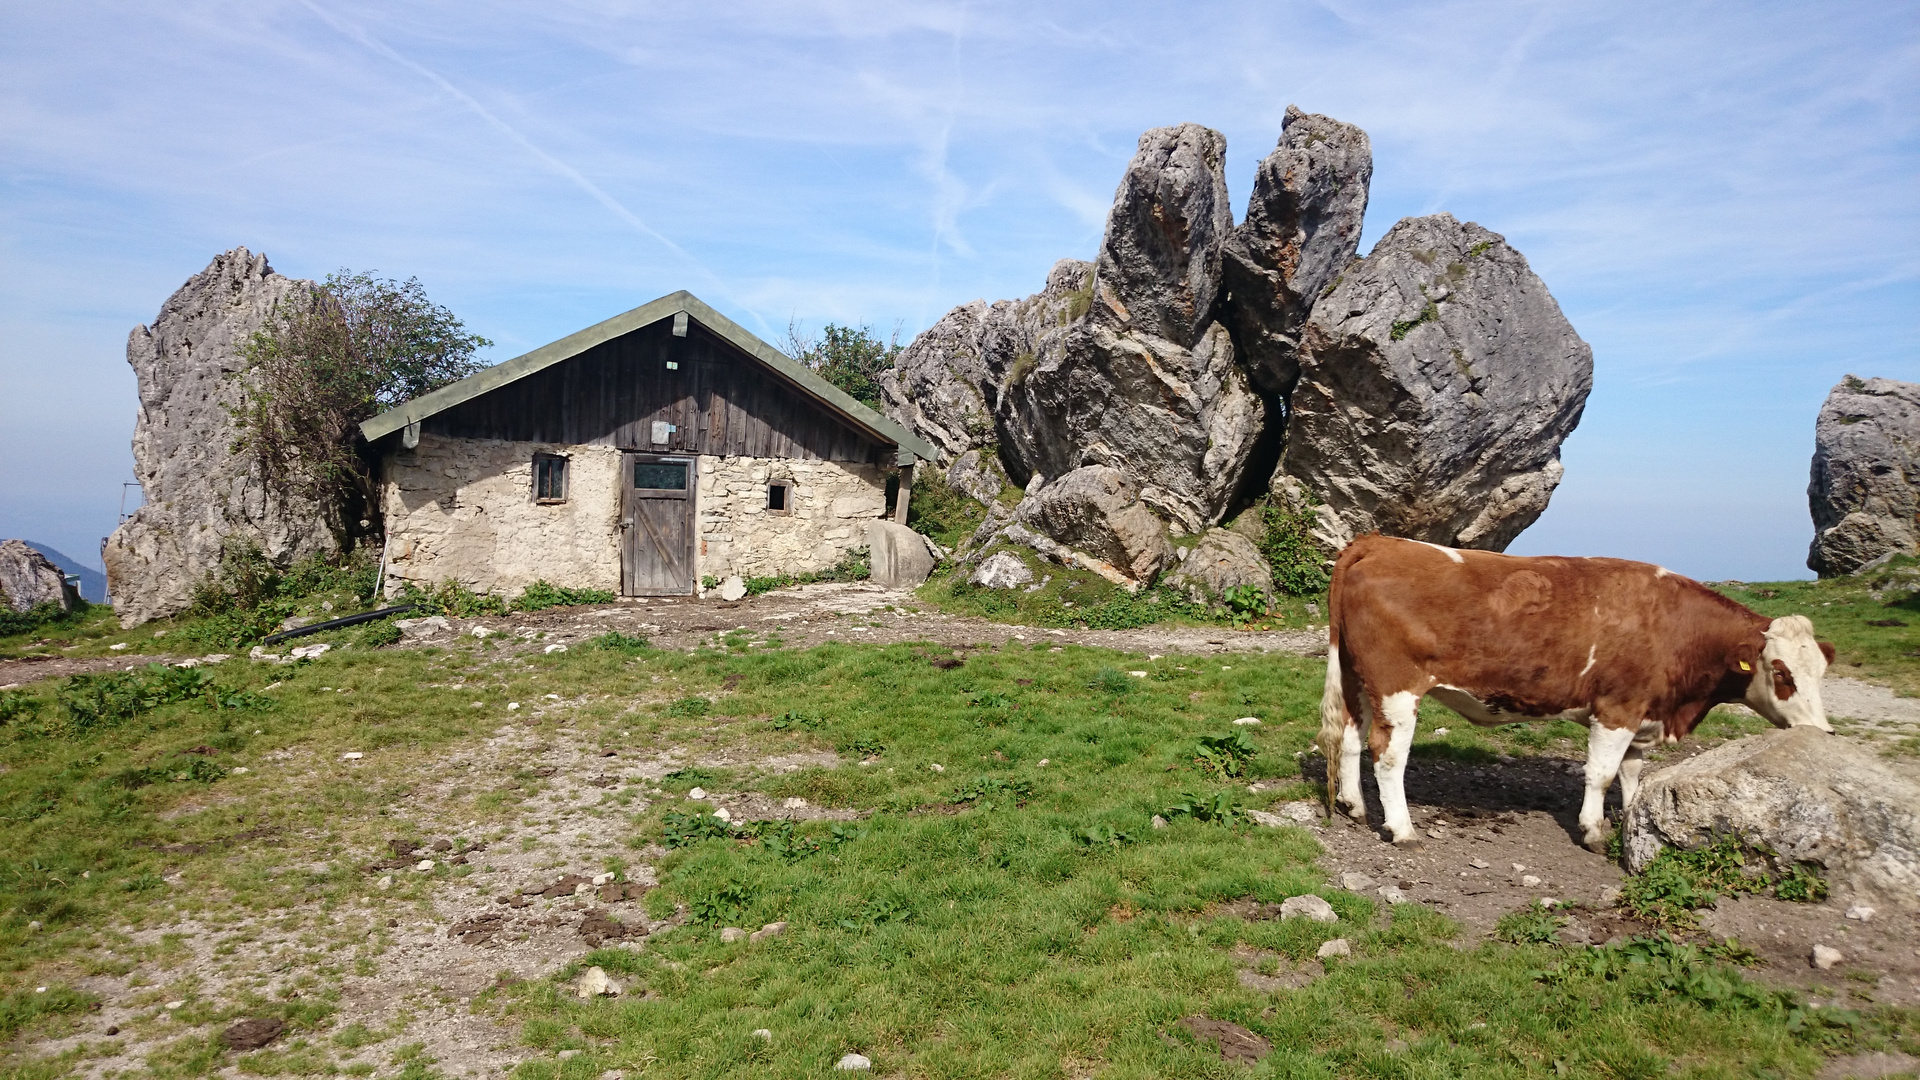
{"points": [[938, 386], [898, 557], [1097, 510], [1804, 794], [198, 492], [1438, 378], [1148, 382], [1302, 228], [1865, 489], [1223, 559], [29, 579]]}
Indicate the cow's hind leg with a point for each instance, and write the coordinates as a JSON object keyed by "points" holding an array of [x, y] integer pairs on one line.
{"points": [[1353, 737], [1391, 740], [1606, 750]]}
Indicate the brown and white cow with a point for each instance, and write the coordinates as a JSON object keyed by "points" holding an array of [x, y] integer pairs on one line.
{"points": [[1632, 650]]}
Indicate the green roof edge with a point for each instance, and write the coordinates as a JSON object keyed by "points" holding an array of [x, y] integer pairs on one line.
{"points": [[499, 375]]}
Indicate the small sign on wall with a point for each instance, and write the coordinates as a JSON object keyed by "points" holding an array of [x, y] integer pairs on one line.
{"points": [[662, 431]]}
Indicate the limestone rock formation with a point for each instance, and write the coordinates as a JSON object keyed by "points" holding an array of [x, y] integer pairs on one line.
{"points": [[1302, 228], [1423, 391], [197, 491], [898, 556], [1001, 570], [29, 579], [1865, 487], [1097, 510], [1805, 794], [1438, 378], [1221, 560]]}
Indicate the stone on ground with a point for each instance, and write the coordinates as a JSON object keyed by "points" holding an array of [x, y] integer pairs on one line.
{"points": [[1001, 570], [1355, 881], [1826, 958], [1337, 947], [198, 492], [854, 1063], [1806, 795], [1302, 229], [1221, 560], [595, 983], [1309, 907], [1098, 510], [734, 588], [29, 579], [1437, 381], [1866, 467], [732, 934], [899, 556]]}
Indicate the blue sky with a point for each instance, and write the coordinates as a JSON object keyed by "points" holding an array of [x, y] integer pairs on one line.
{"points": [[1725, 198]]}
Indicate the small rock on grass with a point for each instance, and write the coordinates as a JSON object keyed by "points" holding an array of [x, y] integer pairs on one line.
{"points": [[763, 1035], [1310, 907], [1392, 894], [1860, 913], [1159, 822], [1354, 881], [1826, 958], [1337, 947], [732, 934], [854, 1063], [596, 984], [771, 930]]}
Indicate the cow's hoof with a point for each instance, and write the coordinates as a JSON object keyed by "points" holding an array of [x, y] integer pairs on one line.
{"points": [[1410, 843], [1598, 847]]}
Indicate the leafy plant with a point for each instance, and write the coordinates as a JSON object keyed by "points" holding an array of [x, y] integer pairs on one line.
{"points": [[855, 565], [1217, 809], [543, 594], [330, 356], [452, 598], [865, 746], [1402, 327], [17, 705], [1528, 927], [1678, 882], [876, 912], [986, 791], [935, 509], [1224, 756], [1102, 835], [615, 641], [1299, 566], [1801, 885], [720, 903], [1245, 603], [690, 707], [989, 699], [793, 718], [679, 829], [850, 358], [379, 633], [38, 616]]}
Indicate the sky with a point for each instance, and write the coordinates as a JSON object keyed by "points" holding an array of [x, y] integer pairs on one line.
{"points": [[1724, 198]]}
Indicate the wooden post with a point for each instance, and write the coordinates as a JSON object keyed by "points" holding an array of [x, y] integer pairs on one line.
{"points": [[906, 489]]}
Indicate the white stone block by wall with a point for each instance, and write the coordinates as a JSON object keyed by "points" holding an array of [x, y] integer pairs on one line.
{"points": [[463, 509]]}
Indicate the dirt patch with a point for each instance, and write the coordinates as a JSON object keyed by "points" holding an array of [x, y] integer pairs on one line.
{"points": [[26, 669], [1236, 1043]]}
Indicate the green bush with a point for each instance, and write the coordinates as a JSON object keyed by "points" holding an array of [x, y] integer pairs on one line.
{"points": [[246, 598], [935, 509], [38, 616], [452, 598], [378, 633], [1299, 567], [542, 595], [615, 641], [1679, 882]]}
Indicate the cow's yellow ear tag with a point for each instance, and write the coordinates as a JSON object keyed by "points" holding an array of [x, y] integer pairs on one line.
{"points": [[1744, 666]]}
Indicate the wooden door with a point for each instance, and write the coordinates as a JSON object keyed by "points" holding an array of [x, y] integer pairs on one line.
{"points": [[656, 521]]}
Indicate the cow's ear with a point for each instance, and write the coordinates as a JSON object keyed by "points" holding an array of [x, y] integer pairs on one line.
{"points": [[1826, 650], [1746, 656]]}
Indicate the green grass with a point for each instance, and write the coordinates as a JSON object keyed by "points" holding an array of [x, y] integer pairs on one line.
{"points": [[996, 917], [1080, 598]]}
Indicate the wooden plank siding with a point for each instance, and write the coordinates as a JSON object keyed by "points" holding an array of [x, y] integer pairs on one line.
{"points": [[722, 401]]}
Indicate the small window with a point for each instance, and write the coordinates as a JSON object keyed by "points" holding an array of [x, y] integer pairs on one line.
{"points": [[549, 478], [780, 497], [660, 475]]}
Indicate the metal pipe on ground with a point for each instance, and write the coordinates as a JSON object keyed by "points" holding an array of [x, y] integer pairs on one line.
{"points": [[335, 624]]}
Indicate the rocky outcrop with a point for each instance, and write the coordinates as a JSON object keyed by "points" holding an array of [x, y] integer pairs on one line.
{"points": [[1803, 794], [1097, 510], [1223, 559], [1438, 378], [1302, 228], [198, 492], [1423, 391], [1001, 570], [1865, 489], [29, 579]]}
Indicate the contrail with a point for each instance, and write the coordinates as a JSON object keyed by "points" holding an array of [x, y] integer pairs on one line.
{"points": [[510, 132]]}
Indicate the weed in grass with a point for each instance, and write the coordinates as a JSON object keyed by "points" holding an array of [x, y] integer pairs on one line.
{"points": [[615, 641], [720, 903], [379, 634], [1678, 882], [1528, 927], [1224, 756], [1111, 680], [543, 594], [679, 829], [794, 719], [690, 707], [1216, 809]]}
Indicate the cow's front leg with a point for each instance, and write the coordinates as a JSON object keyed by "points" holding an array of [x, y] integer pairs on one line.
{"points": [[1391, 740], [1606, 749]]}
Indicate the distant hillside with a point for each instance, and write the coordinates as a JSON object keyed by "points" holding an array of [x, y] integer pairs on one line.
{"points": [[93, 583]]}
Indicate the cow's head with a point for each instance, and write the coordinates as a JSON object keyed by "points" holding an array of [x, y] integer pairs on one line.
{"points": [[1785, 687]]}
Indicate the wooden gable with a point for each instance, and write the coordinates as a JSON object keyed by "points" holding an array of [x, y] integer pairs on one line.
{"points": [[718, 400]]}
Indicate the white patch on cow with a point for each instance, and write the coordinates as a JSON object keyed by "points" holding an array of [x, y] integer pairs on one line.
{"points": [[1790, 640], [1606, 749], [1399, 711], [1593, 654], [1660, 572], [1447, 551]]}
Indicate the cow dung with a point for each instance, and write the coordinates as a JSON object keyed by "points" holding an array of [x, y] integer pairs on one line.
{"points": [[1236, 1043], [253, 1033]]}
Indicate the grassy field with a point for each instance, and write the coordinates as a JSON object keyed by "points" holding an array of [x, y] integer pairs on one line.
{"points": [[1003, 907]]}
